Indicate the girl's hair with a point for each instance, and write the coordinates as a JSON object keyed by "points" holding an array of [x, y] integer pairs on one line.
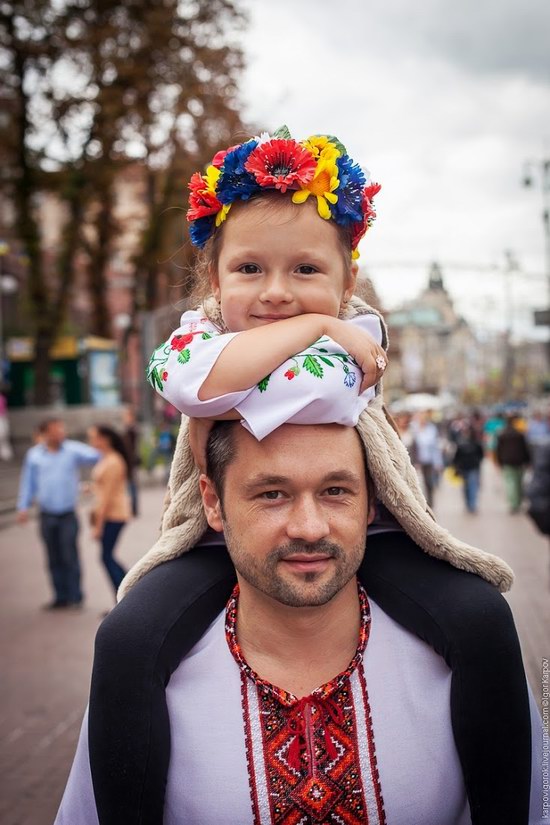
{"points": [[206, 260], [117, 444]]}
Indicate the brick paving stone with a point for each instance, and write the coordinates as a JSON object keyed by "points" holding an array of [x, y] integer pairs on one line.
{"points": [[47, 657]]}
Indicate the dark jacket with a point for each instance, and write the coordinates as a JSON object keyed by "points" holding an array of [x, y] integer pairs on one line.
{"points": [[468, 455], [512, 449], [538, 489]]}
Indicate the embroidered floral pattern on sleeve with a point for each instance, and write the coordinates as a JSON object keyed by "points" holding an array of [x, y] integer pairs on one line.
{"points": [[314, 361], [311, 761], [156, 372]]}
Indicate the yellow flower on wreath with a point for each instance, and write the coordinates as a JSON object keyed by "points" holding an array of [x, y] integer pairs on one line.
{"points": [[210, 177], [316, 144], [324, 183]]}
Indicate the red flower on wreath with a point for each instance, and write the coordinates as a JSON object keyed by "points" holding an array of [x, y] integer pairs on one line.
{"points": [[164, 376], [179, 342], [281, 164], [202, 201], [369, 214], [290, 374], [219, 157]]}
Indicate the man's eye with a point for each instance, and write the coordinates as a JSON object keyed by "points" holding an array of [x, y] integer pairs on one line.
{"points": [[271, 495], [335, 491], [249, 269], [306, 269]]}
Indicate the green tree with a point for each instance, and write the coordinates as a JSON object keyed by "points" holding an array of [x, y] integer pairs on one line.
{"points": [[91, 88]]}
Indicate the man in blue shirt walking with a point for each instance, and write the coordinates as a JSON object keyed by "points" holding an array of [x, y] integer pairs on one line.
{"points": [[51, 476]]}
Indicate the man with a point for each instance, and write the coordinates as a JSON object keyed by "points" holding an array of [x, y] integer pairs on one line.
{"points": [[303, 702], [427, 452], [512, 455], [51, 476]]}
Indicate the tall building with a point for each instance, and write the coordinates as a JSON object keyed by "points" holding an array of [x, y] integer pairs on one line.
{"points": [[433, 349]]}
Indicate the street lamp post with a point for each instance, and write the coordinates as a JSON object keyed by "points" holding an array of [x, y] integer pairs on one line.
{"points": [[542, 168]]}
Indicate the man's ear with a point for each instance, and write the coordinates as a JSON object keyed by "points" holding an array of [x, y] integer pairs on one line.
{"points": [[372, 510], [211, 503]]}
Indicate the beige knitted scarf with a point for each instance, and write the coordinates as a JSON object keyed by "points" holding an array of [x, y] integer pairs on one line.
{"points": [[395, 480]]}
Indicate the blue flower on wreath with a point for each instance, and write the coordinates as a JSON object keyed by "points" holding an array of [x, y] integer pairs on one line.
{"points": [[349, 207], [201, 229], [349, 379], [235, 181]]}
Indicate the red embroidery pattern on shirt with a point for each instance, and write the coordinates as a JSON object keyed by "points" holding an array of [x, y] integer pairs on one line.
{"points": [[308, 761]]}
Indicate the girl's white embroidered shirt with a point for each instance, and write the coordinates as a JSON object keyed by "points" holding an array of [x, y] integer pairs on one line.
{"points": [[319, 385]]}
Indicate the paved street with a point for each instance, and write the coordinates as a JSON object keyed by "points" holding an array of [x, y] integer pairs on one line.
{"points": [[46, 658]]}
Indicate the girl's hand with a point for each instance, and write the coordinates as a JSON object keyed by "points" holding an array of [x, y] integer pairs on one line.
{"points": [[370, 356], [199, 430]]}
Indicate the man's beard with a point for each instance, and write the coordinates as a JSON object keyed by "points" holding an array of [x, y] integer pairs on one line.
{"points": [[296, 590]]}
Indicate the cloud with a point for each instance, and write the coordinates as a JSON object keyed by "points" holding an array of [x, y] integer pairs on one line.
{"points": [[443, 102]]}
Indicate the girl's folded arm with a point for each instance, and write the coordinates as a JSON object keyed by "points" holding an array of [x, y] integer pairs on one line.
{"points": [[254, 353]]}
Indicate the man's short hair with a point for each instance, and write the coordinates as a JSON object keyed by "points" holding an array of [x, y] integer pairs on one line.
{"points": [[46, 422], [220, 452]]}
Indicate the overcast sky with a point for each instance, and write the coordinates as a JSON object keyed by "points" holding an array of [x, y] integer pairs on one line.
{"points": [[443, 102]]}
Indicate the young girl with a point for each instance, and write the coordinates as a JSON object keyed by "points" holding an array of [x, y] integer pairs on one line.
{"points": [[282, 340]]}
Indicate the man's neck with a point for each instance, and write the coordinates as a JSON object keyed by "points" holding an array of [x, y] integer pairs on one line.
{"points": [[298, 649], [53, 447]]}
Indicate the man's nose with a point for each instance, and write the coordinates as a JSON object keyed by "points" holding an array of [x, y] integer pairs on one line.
{"points": [[276, 289], [307, 521]]}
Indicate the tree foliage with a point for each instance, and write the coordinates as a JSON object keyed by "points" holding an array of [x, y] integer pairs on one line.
{"points": [[91, 88]]}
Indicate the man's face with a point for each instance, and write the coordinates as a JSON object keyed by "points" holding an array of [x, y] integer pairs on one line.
{"points": [[55, 434], [295, 511]]}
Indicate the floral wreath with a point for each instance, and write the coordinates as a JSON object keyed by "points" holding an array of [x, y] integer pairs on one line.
{"points": [[318, 166]]}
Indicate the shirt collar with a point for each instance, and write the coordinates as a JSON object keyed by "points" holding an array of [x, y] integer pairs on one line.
{"points": [[286, 698]]}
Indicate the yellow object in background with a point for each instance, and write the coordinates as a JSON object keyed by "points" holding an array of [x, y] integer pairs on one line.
{"points": [[452, 477]]}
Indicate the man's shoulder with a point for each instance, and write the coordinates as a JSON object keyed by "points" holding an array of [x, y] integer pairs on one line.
{"points": [[35, 453]]}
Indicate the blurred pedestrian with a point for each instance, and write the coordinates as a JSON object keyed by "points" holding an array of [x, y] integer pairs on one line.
{"points": [[427, 452], [112, 505], [492, 428], [403, 424], [512, 456], [131, 445], [538, 428], [6, 452], [164, 448], [467, 462], [51, 476]]}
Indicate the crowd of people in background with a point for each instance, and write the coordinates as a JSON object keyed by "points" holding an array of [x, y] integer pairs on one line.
{"points": [[457, 446], [517, 444]]}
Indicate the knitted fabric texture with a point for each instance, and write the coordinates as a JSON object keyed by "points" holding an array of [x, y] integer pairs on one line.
{"points": [[395, 480]]}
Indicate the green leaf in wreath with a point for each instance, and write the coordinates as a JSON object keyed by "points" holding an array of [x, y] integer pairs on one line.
{"points": [[282, 133], [312, 365], [184, 356], [205, 336], [338, 143], [326, 360], [262, 385]]}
